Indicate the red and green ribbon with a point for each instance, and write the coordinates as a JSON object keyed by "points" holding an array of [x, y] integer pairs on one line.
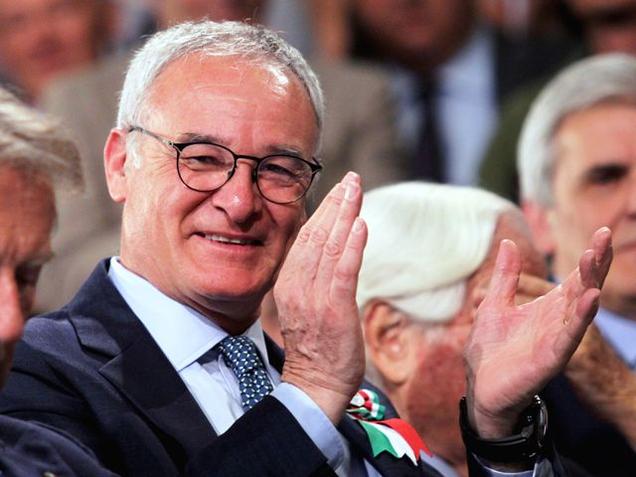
{"points": [[394, 436]]}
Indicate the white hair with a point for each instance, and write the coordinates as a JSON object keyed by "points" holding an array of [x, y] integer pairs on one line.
{"points": [[37, 145], [583, 85], [249, 42], [425, 241]]}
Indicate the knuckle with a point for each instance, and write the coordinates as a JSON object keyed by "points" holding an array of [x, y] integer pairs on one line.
{"points": [[335, 198], [343, 276], [319, 235], [303, 235], [333, 248]]}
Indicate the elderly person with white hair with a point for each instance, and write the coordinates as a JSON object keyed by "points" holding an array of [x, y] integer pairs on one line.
{"points": [[577, 168], [36, 158], [418, 302]]}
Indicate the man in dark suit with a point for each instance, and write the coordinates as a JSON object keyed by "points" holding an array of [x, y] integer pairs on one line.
{"points": [[449, 74], [160, 365]]}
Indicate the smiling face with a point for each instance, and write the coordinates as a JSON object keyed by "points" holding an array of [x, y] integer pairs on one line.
{"points": [[594, 185], [27, 214], [218, 252]]}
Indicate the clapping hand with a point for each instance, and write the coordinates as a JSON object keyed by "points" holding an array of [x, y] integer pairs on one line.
{"points": [[513, 351], [315, 295]]}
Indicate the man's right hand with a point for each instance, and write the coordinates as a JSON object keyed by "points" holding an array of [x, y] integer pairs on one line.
{"points": [[315, 296]]}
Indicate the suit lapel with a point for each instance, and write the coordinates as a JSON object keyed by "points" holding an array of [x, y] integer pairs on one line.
{"points": [[137, 367], [140, 371]]}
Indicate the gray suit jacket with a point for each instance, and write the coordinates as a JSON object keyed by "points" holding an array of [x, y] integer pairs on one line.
{"points": [[358, 134]]}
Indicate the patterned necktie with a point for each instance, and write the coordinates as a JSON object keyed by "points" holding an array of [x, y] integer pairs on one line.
{"points": [[240, 355]]}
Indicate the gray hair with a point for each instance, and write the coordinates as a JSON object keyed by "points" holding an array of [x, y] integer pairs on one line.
{"points": [[253, 43], [36, 144], [581, 86], [425, 241]]}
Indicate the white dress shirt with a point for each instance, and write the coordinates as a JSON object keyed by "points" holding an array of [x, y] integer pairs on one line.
{"points": [[184, 335], [620, 332], [467, 109]]}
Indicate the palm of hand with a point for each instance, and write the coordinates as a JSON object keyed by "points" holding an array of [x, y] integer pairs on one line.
{"points": [[513, 351]]}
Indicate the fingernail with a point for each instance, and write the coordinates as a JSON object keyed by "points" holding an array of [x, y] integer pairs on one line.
{"points": [[350, 191], [351, 177]]}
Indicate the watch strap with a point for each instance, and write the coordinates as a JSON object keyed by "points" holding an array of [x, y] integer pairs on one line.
{"points": [[524, 446]]}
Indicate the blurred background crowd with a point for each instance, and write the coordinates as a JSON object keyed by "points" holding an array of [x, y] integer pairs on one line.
{"points": [[431, 90]]}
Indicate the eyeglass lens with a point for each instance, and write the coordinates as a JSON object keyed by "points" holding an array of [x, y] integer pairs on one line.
{"points": [[206, 167]]}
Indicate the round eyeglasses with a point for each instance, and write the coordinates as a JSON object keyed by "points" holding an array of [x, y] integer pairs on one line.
{"points": [[206, 167]]}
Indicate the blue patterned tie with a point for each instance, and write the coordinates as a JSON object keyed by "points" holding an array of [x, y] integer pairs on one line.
{"points": [[240, 355]]}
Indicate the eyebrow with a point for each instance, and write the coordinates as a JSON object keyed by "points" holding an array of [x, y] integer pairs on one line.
{"points": [[269, 150], [610, 167]]}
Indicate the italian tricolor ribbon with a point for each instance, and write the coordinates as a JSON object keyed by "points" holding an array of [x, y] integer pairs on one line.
{"points": [[394, 436]]}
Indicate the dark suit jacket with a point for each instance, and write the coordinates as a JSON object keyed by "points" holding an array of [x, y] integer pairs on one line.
{"points": [[94, 371], [580, 435], [29, 450]]}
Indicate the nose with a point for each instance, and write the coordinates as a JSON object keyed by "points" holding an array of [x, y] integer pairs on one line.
{"points": [[239, 197], [11, 315]]}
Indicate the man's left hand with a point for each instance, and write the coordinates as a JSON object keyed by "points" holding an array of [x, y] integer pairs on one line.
{"points": [[513, 351]]}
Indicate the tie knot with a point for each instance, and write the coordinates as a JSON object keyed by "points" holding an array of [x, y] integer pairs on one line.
{"points": [[240, 354]]}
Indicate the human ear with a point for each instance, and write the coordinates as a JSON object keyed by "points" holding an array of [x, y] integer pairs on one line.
{"points": [[115, 158], [390, 343], [541, 222]]}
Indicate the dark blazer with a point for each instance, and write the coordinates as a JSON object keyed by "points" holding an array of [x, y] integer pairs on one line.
{"points": [[578, 434], [29, 450], [94, 371]]}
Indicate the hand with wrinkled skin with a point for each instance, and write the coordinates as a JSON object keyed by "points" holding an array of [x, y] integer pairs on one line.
{"points": [[513, 351], [531, 287], [315, 295]]}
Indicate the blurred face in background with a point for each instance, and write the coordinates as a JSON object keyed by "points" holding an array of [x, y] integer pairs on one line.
{"points": [[39, 39], [27, 214], [594, 185], [609, 25], [177, 11], [418, 33]]}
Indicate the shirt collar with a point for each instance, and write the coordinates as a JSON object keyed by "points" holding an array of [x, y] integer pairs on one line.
{"points": [[182, 333], [620, 332]]}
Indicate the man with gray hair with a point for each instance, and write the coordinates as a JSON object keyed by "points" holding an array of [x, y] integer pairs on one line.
{"points": [[577, 165], [160, 365], [35, 158]]}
